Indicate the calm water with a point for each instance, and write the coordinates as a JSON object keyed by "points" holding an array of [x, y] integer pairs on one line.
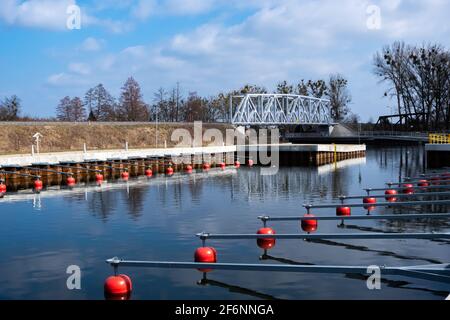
{"points": [[40, 235]]}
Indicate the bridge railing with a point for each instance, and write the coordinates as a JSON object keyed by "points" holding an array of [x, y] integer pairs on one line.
{"points": [[437, 138], [392, 133], [420, 136]]}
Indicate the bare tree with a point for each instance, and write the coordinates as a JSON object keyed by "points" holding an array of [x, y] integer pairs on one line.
{"points": [[78, 110], [71, 110], [419, 79], [132, 106], [159, 108], [10, 108], [339, 96], [284, 88], [302, 88], [63, 109], [101, 104]]}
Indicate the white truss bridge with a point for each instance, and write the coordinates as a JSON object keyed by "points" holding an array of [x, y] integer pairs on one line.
{"points": [[277, 109]]}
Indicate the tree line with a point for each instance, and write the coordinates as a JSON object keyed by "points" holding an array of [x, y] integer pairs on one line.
{"points": [[171, 106], [418, 78]]}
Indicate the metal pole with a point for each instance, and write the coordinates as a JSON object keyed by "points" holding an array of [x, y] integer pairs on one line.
{"points": [[49, 170], [78, 168], [208, 236], [21, 174], [416, 181], [401, 195], [432, 272], [379, 204], [264, 219], [403, 188]]}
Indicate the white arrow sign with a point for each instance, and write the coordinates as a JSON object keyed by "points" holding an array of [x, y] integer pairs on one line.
{"points": [[36, 137]]}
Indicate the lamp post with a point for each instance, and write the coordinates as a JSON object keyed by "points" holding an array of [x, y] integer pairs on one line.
{"points": [[156, 125]]}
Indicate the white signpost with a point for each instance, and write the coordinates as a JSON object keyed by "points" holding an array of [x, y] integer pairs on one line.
{"points": [[37, 136]]}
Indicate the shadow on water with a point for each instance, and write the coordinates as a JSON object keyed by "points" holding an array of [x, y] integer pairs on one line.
{"points": [[356, 276], [366, 249], [236, 289]]}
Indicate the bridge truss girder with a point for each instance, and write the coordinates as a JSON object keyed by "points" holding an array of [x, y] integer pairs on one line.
{"points": [[278, 109]]}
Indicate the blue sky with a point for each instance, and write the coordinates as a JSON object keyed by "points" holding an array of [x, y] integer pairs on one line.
{"points": [[208, 46]]}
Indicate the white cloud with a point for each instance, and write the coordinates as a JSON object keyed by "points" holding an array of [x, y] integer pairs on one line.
{"points": [[79, 68], [59, 79], [92, 44], [48, 14], [65, 80], [144, 8], [52, 15], [188, 7]]}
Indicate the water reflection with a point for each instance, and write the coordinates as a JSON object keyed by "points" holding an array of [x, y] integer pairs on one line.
{"points": [[401, 161], [157, 219]]}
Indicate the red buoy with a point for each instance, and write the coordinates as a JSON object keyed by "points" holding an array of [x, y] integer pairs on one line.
{"points": [[309, 225], [408, 188], [188, 169], [250, 163], [206, 166], [222, 165], [2, 188], [390, 192], [343, 211], [125, 175], [118, 286], [237, 164], [423, 183], [266, 243], [99, 178], [71, 181], [390, 195], [369, 200], [169, 171], [205, 255], [148, 173], [38, 185]]}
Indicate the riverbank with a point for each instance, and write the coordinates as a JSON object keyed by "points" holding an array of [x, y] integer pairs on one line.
{"points": [[17, 138]]}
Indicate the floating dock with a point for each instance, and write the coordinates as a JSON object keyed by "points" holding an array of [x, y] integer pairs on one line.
{"points": [[85, 166]]}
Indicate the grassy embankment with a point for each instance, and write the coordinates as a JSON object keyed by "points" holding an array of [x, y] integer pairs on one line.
{"points": [[17, 137]]}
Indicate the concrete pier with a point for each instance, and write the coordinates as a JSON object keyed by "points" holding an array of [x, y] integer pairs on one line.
{"points": [[315, 154], [437, 155], [308, 154]]}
